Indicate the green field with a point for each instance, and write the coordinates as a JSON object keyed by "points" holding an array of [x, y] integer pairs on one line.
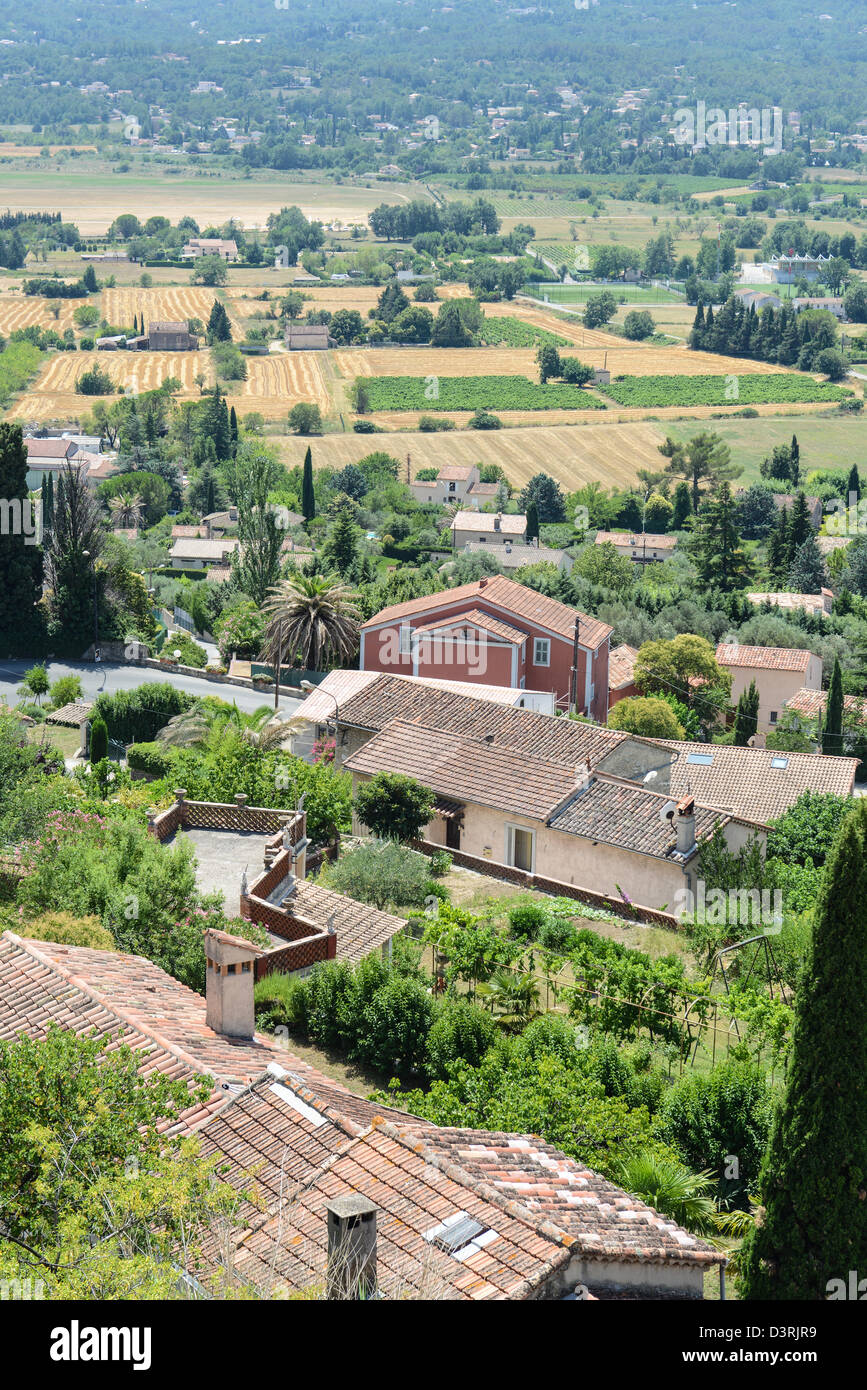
{"points": [[578, 294], [474, 393], [775, 388], [517, 333], [826, 441]]}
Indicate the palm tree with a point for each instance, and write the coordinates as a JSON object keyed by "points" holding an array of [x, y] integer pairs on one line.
{"points": [[311, 620], [673, 1190], [512, 998], [127, 509]]}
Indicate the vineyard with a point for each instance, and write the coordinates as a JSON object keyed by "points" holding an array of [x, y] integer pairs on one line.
{"points": [[515, 332], [473, 393], [778, 388]]}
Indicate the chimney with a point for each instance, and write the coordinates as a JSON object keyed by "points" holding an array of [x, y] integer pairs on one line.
{"points": [[230, 977], [351, 1248], [686, 825], [498, 520]]}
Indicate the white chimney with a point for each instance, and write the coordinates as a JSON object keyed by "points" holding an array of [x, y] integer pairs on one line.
{"points": [[351, 1271], [685, 825], [230, 978]]}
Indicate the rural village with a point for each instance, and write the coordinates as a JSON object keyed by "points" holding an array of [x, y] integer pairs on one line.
{"points": [[433, 675]]}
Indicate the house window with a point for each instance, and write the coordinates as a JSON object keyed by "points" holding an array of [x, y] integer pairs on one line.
{"points": [[774, 716], [542, 651], [521, 848], [451, 487], [405, 639]]}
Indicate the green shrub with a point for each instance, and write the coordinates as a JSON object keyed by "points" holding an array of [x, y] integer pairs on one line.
{"points": [[65, 691], [136, 716], [98, 741], [706, 1118], [394, 1027], [440, 863], [282, 1001], [382, 873], [68, 929], [153, 758], [526, 918], [462, 1032]]}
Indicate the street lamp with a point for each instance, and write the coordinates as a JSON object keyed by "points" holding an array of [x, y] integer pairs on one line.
{"points": [[308, 687], [86, 554]]}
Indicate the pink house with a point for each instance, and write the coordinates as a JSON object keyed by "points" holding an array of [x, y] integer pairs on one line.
{"points": [[495, 632]]}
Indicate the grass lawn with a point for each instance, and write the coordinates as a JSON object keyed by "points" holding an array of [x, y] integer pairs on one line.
{"points": [[827, 441], [578, 294], [67, 740]]}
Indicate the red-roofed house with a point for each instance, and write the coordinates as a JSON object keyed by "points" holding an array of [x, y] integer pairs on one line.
{"points": [[495, 632], [779, 673]]}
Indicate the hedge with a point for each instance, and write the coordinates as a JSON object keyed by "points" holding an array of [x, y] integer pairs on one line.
{"points": [[153, 758], [135, 716]]}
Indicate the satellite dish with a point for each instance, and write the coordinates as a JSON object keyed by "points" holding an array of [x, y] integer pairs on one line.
{"points": [[650, 776], [666, 812]]}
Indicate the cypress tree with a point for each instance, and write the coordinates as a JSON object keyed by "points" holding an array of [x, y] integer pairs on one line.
{"points": [[233, 430], [795, 461], [308, 499], [48, 504], [800, 526], [832, 734], [854, 483], [21, 628], [696, 336], [532, 522], [747, 717], [682, 507], [813, 1182], [98, 741]]}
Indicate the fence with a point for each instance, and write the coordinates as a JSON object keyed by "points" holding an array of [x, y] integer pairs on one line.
{"points": [[223, 815]]}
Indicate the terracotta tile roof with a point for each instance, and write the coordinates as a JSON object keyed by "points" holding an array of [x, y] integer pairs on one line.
{"points": [[484, 490], [603, 1220], [474, 617], [198, 549], [73, 713], [755, 784], [465, 769], [82, 989], [763, 658], [627, 816], [513, 555], [516, 601], [189, 533], [812, 703], [319, 706], [50, 448], [636, 540], [487, 521], [621, 666], [360, 927], [456, 473], [563, 741]]}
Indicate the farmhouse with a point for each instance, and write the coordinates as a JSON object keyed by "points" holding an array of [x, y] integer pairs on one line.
{"points": [[621, 674], [308, 337], [512, 555], [169, 336], [487, 528], [451, 484], [495, 631], [566, 824], [225, 248], [640, 546], [779, 672], [454, 1214], [195, 554]]}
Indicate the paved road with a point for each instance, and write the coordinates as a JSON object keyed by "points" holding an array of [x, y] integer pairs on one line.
{"points": [[110, 677]]}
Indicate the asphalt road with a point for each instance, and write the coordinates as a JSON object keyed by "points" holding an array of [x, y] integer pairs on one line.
{"points": [[106, 676]]}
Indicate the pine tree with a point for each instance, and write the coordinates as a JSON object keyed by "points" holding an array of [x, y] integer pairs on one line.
{"points": [[682, 507], [807, 573], [800, 526], [341, 548], [778, 548], [532, 522], [308, 497], [832, 734], [720, 557], [747, 716], [813, 1181], [21, 630]]}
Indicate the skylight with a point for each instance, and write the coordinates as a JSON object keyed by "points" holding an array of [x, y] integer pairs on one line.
{"points": [[780, 762], [460, 1235], [705, 759]]}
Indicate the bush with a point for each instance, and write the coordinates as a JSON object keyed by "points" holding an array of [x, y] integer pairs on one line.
{"points": [[69, 930], [484, 420], [462, 1032], [638, 324], [282, 1002], [433, 424], [95, 383], [305, 418], [65, 691], [191, 654], [134, 716], [706, 1118], [153, 758], [440, 863], [382, 873], [98, 741], [526, 918], [394, 1027], [394, 806]]}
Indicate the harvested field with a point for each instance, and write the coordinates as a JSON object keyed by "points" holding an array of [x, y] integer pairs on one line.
{"points": [[274, 383], [172, 302], [573, 454], [20, 311]]}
